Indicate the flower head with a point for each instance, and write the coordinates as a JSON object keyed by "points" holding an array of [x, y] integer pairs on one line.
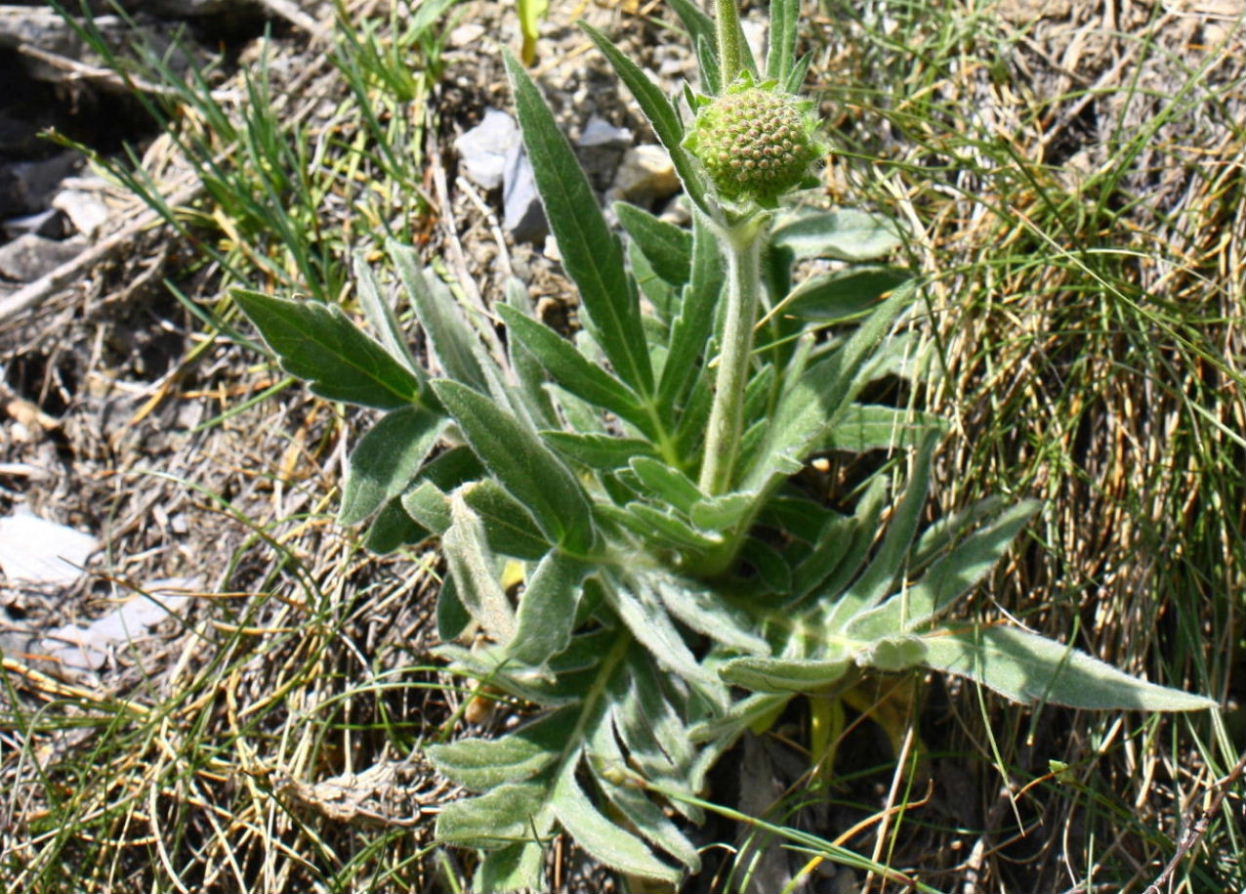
{"points": [[756, 142]]}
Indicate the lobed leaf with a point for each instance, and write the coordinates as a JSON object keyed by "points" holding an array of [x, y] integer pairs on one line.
{"points": [[845, 234], [482, 764], [317, 342]]}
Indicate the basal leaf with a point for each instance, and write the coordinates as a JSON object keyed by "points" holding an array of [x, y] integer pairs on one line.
{"points": [[522, 464], [606, 841], [475, 577], [864, 427], [386, 459], [503, 816], [603, 452], [590, 253], [317, 342], [787, 674], [842, 295], [453, 343], [546, 613], [482, 764], [1029, 668], [706, 612], [392, 528]]}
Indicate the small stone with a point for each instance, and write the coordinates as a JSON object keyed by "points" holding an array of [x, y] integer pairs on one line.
{"points": [[49, 223], [465, 35], [29, 257], [483, 149], [600, 149], [36, 551], [26, 186], [522, 214], [85, 208], [645, 175]]}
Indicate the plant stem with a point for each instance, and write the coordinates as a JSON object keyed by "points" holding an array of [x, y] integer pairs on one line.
{"points": [[726, 426], [727, 20]]}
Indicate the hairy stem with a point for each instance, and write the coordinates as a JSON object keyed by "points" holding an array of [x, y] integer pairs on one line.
{"points": [[726, 424], [727, 20]]}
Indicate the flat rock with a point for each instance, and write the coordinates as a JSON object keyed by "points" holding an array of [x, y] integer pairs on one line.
{"points": [[36, 551], [29, 257], [85, 207], [522, 214], [483, 149], [645, 176], [49, 223]]}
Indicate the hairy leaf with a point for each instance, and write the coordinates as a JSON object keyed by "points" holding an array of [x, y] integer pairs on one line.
{"points": [[386, 459]]}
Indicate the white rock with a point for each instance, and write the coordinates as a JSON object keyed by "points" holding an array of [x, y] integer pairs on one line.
{"points": [[36, 551], [484, 148], [86, 209]]}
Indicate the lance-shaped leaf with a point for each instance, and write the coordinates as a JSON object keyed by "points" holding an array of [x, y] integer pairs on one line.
{"points": [[392, 528], [317, 342], [947, 579], [380, 314], [590, 252], [889, 563], [782, 52], [546, 613], [519, 867], [706, 612], [1029, 669], [694, 326], [476, 582], [665, 484], [864, 427], [840, 296], [572, 370], [667, 247], [386, 459], [606, 841], [846, 234], [482, 764], [532, 473], [452, 342], [661, 114], [505, 815], [788, 674], [598, 451], [813, 403]]}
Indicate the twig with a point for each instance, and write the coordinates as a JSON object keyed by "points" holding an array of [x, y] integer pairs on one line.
{"points": [[1195, 831]]}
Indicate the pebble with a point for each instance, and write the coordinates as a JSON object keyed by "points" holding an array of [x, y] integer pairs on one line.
{"points": [[645, 176], [522, 214], [29, 257], [483, 149]]}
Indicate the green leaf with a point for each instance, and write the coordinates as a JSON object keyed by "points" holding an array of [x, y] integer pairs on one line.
{"points": [[1029, 669], [782, 52], [547, 609], [694, 327], [509, 528], [707, 62], [843, 548], [386, 459], [948, 579], [667, 485], [571, 369], [668, 247], [381, 316], [317, 342], [392, 528], [809, 408], [864, 427], [846, 234], [842, 295], [590, 253], [607, 841], [475, 577], [892, 654], [889, 562], [706, 612], [787, 674], [661, 530], [453, 618], [528, 371], [519, 867], [481, 764], [796, 77], [504, 816], [722, 513], [604, 452], [452, 343], [522, 464]]}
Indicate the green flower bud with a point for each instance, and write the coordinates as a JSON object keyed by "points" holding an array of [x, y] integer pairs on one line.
{"points": [[756, 143]]}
